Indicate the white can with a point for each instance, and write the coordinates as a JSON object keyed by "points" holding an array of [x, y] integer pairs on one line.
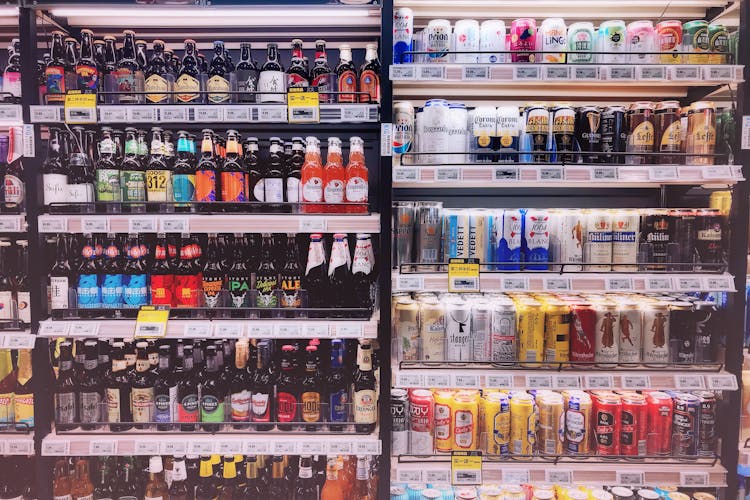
{"points": [[566, 239], [606, 346], [437, 39], [483, 133], [403, 30], [466, 39], [403, 128], [481, 320], [432, 328], [630, 331], [655, 332], [455, 234], [641, 37], [458, 345], [458, 134], [433, 127], [535, 242], [552, 37], [492, 41], [581, 38], [503, 336], [597, 244], [479, 234], [509, 239], [611, 38], [625, 235]]}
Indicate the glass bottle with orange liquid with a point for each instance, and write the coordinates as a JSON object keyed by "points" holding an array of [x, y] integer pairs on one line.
{"points": [[356, 176], [362, 484], [333, 489], [312, 177], [334, 177], [82, 487], [206, 170]]}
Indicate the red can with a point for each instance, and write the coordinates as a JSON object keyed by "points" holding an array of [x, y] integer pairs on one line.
{"points": [[421, 422], [659, 409], [582, 332], [607, 410], [669, 39], [633, 425]]}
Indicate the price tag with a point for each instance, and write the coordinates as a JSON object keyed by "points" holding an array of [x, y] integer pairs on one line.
{"points": [[687, 283], [174, 225], [55, 448], [350, 331], [515, 476], [662, 173], [29, 148], [151, 322], [10, 224], [652, 73], [636, 382], [53, 328], [556, 284], [689, 382], [510, 284], [431, 72], [20, 447], [88, 329], [197, 330], [604, 173], [409, 283], [447, 174], [404, 379], [256, 447], [272, 114], [312, 448], [718, 283], [142, 225], [80, 108], [2, 447], [685, 72], [142, 114], [558, 476], [313, 224], [434, 380], [463, 275], [355, 113], [174, 114], [315, 331], [405, 174], [20, 341], [475, 72], [557, 72], [230, 448], [630, 478], [724, 382], [11, 113], [618, 284], [146, 448], [94, 224], [369, 447], [201, 447], [113, 114], [52, 224], [437, 476], [586, 73], [539, 381], [503, 174], [547, 174], [621, 73], [261, 330], [303, 107], [339, 448], [466, 468], [693, 479], [208, 113], [403, 72], [722, 73], [102, 448], [599, 382], [173, 448], [526, 72], [45, 114], [499, 381], [409, 476], [237, 114], [229, 330], [567, 382], [466, 381], [386, 139], [716, 172], [658, 283], [288, 331]]}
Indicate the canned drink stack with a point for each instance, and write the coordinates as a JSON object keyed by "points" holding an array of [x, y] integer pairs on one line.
{"points": [[495, 423], [523, 424]]}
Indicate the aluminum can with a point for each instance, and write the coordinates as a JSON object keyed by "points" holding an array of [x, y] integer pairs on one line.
{"points": [[483, 133], [656, 333], [578, 423], [509, 239], [581, 39], [403, 31], [630, 333], [563, 133], [492, 41], [400, 422], [421, 422], [589, 133], [537, 119], [685, 231], [668, 131], [566, 239], [701, 133], [523, 40], [556, 332], [438, 40], [466, 39], [707, 418], [614, 134], [456, 233], [625, 227], [709, 237], [429, 231], [552, 40], [669, 39], [432, 132], [458, 133], [443, 420], [508, 130], [657, 232], [718, 41], [640, 38], [479, 234], [682, 322], [403, 129], [685, 425], [582, 332], [535, 242], [431, 494], [641, 121], [551, 427], [465, 421], [503, 334], [495, 418], [708, 323], [432, 328], [607, 412], [522, 424], [606, 347], [633, 425], [597, 246], [407, 328], [659, 409], [403, 232], [611, 38], [530, 325], [481, 327], [458, 346], [621, 493], [695, 41]]}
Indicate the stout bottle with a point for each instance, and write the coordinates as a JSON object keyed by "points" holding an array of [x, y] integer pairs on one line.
{"points": [[305, 487], [338, 389], [119, 414], [90, 389], [316, 276], [165, 391], [66, 401], [247, 75]]}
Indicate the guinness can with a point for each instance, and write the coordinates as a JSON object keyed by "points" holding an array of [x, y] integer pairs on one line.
{"points": [[589, 133]]}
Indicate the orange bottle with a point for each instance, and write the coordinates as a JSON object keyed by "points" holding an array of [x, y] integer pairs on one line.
{"points": [[333, 489], [334, 177], [356, 176], [347, 473], [82, 487], [312, 177]]}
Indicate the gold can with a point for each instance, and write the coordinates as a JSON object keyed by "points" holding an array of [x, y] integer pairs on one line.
{"points": [[514, 492], [494, 417], [701, 134], [432, 328], [407, 328], [551, 429], [578, 423], [465, 420], [530, 328], [491, 493], [722, 201], [443, 420], [676, 495], [522, 424], [556, 332]]}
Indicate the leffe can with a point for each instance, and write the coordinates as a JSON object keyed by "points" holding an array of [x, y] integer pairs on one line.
{"points": [[641, 133], [695, 41], [556, 332], [432, 328], [633, 425], [403, 232], [407, 328], [685, 425], [625, 227], [495, 408], [597, 246], [718, 41], [669, 39], [707, 418], [523, 40], [563, 132], [530, 327], [656, 330], [606, 348], [429, 231], [481, 329], [578, 432], [458, 345], [701, 133], [614, 134], [582, 332], [465, 421], [589, 133], [400, 422], [607, 412], [551, 427], [421, 422], [630, 336], [659, 409], [668, 131], [503, 334], [443, 420], [522, 424], [566, 240]]}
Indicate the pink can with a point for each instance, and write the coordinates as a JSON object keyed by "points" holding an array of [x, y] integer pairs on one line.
{"points": [[523, 40], [421, 422], [640, 38], [669, 39]]}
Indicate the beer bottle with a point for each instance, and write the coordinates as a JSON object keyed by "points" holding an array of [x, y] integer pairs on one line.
{"points": [[256, 190], [362, 275], [7, 386], [247, 75], [60, 278], [183, 179], [142, 395], [176, 63], [162, 275], [140, 54], [337, 387], [158, 173], [90, 389], [86, 69], [54, 175], [339, 276], [293, 171], [266, 277], [165, 391], [320, 76], [291, 275], [278, 485], [14, 188], [187, 391], [239, 280], [229, 479], [100, 59], [82, 488], [369, 76], [61, 483], [312, 177], [66, 399], [104, 351], [104, 487], [117, 392], [187, 280], [212, 397], [346, 76], [127, 71], [12, 73], [205, 171], [207, 489], [262, 389], [23, 402], [187, 85], [111, 282], [156, 487], [316, 277], [240, 387], [71, 60], [214, 277], [135, 279], [107, 171], [305, 487], [287, 391], [356, 177], [132, 174], [233, 171], [332, 489], [334, 176], [81, 178], [159, 82], [89, 293], [296, 75], [254, 486], [362, 483], [273, 178], [364, 390], [54, 72], [219, 77], [109, 75], [126, 487], [311, 396], [179, 489], [272, 78]]}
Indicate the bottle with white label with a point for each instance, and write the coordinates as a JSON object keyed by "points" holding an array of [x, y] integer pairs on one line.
{"points": [[365, 396], [293, 171], [334, 175], [272, 78], [54, 176]]}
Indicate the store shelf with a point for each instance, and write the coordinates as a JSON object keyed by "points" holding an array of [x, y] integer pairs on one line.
{"points": [[573, 282], [206, 444], [594, 471], [563, 176], [15, 444], [593, 378], [213, 223], [13, 223]]}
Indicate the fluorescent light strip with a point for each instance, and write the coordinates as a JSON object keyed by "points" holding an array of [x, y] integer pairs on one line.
{"points": [[8, 11], [191, 12]]}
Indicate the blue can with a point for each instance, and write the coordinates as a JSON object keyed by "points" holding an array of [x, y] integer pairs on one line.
{"points": [[509, 227]]}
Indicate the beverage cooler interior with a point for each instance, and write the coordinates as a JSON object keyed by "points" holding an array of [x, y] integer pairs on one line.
{"points": [[360, 250]]}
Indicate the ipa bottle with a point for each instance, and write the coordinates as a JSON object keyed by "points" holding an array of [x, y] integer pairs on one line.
{"points": [[133, 172], [272, 78], [206, 170], [247, 75], [291, 275], [183, 178], [158, 173], [266, 277], [159, 82], [233, 171]]}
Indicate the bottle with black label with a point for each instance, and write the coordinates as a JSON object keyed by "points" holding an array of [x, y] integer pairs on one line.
{"points": [[274, 176], [247, 75], [90, 390], [266, 277]]}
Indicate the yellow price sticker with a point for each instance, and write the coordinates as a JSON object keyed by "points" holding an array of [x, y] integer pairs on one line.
{"points": [[466, 467], [463, 275], [151, 322], [80, 107], [303, 107]]}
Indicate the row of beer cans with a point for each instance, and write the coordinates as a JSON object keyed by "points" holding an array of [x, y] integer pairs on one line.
{"points": [[605, 423], [425, 234], [543, 491]]}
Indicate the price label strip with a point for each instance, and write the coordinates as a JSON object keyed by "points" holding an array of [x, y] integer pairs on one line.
{"points": [[636, 382], [437, 380], [303, 107], [499, 381], [410, 283], [466, 468], [463, 275], [151, 322]]}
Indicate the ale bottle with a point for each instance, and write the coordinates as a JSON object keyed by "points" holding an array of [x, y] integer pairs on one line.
{"points": [[272, 78], [54, 174], [339, 276], [162, 275], [61, 484], [254, 486], [128, 72], [273, 179], [214, 277], [133, 173], [54, 72], [338, 388], [312, 177], [188, 277], [316, 277], [287, 390], [206, 485], [334, 176], [23, 402], [229, 479], [365, 396], [356, 177], [156, 487], [158, 173], [165, 391], [266, 277], [61, 277], [159, 82], [135, 279], [188, 85], [256, 186], [332, 489], [233, 171], [66, 400], [109, 74], [277, 487], [205, 171], [12, 72], [126, 487], [117, 392], [239, 280], [247, 75], [311, 396], [369, 76], [107, 171], [187, 391], [142, 395], [212, 395], [178, 490], [104, 487], [86, 69], [362, 484], [291, 275], [305, 487], [71, 60], [219, 77], [346, 76], [262, 398], [296, 76], [293, 172], [90, 389], [362, 275], [82, 487], [240, 387], [183, 179], [320, 76]]}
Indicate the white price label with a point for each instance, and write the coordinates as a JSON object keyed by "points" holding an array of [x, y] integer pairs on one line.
{"points": [[636, 382], [567, 382], [20, 341], [312, 448], [447, 174], [10, 223], [369, 447], [256, 447], [197, 330], [229, 330], [618, 284], [174, 114], [403, 72], [430, 72], [722, 73], [55, 448], [464, 283], [551, 174], [689, 382], [556, 284], [230, 448], [11, 113], [410, 283], [499, 381], [355, 113], [45, 114], [113, 114], [52, 224], [103, 448], [405, 174], [339, 448], [350, 331], [503, 174], [652, 73], [94, 224], [686, 72], [718, 283], [409, 380], [146, 448], [313, 224], [599, 382], [53, 329], [527, 73], [288, 331], [658, 284], [475, 73], [261, 330], [604, 173], [409, 476], [724, 382], [621, 72], [240, 114], [142, 225], [386, 139], [539, 381], [515, 476], [29, 146], [20, 447], [693, 479], [630, 478], [557, 72], [208, 114], [141, 114], [315, 331], [88, 329], [716, 172], [510, 284], [174, 225], [662, 173], [466, 381], [687, 283], [201, 447], [274, 114], [434, 380], [173, 448], [437, 476], [558, 476], [586, 72]]}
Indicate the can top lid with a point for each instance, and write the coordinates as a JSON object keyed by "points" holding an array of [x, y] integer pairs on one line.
{"points": [[648, 494], [701, 105]]}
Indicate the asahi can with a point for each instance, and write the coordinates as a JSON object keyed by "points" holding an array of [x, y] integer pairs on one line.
{"points": [[606, 348], [607, 412], [523, 40], [458, 345], [432, 328], [535, 241], [407, 328], [551, 426], [465, 420], [530, 321], [495, 411], [537, 119], [566, 239], [633, 425], [669, 39], [556, 332], [563, 132], [481, 328], [443, 420], [399, 422], [598, 241], [588, 129], [421, 422], [503, 334], [403, 232], [708, 432], [625, 227], [578, 431], [509, 239], [429, 231], [614, 134], [522, 424], [695, 41], [685, 425], [630, 336], [656, 329], [582, 332], [659, 423]]}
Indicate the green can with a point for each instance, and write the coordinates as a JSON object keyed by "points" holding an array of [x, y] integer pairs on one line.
{"points": [[108, 184], [718, 41], [133, 183], [695, 41]]}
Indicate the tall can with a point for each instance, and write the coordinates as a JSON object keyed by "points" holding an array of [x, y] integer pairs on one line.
{"points": [[458, 133], [685, 231], [399, 422], [530, 321], [669, 39], [556, 332], [508, 130], [403, 232], [429, 231], [552, 40], [456, 234], [535, 242], [550, 435], [563, 133], [566, 239], [581, 43], [503, 335], [438, 36], [432, 329], [657, 232], [641, 135], [582, 332], [607, 412], [656, 333], [695, 41], [630, 336], [465, 421], [523, 40], [659, 408], [432, 131], [523, 425], [611, 38], [718, 41], [597, 243], [481, 327], [443, 420], [495, 418], [466, 39], [403, 34], [709, 238], [537, 127], [708, 432], [480, 222], [668, 132], [685, 425], [589, 133], [633, 425], [578, 423], [492, 42], [458, 345], [509, 239], [407, 328], [483, 140], [606, 348], [708, 324], [683, 329], [641, 38], [614, 134], [403, 130], [701, 133], [625, 227], [421, 422]]}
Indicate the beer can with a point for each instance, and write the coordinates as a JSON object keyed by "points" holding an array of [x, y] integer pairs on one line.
{"points": [[701, 133], [429, 232], [403, 232], [656, 331], [530, 327], [522, 424], [607, 411], [630, 337], [659, 423], [633, 425], [456, 233], [695, 41], [657, 232], [495, 411], [458, 346], [492, 41], [556, 332], [509, 239], [563, 133], [578, 413], [566, 240], [640, 38], [403, 31], [523, 40], [683, 328], [708, 323], [400, 422], [421, 422], [553, 40], [606, 348], [614, 134], [438, 41], [508, 130], [668, 132], [481, 325], [582, 332], [551, 427], [537, 119], [407, 328], [443, 420], [465, 420], [589, 133], [669, 39], [685, 425], [466, 39], [535, 241], [581, 39], [718, 41], [479, 234], [707, 418], [503, 335], [640, 119], [597, 245], [625, 227], [432, 328], [403, 129], [709, 237], [483, 139], [612, 38]]}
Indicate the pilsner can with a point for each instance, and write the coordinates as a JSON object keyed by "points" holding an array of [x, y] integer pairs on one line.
{"points": [[403, 128], [708, 431], [508, 129], [465, 420], [443, 420], [432, 329], [607, 345], [523, 424], [523, 40], [685, 425], [403, 232], [655, 332], [578, 413], [556, 332], [566, 240], [492, 41], [630, 333], [625, 226], [535, 242], [407, 328], [581, 39], [509, 239], [607, 412], [551, 427], [611, 38], [458, 346], [718, 41], [598, 241], [503, 336], [429, 232], [640, 38], [669, 39], [400, 422], [456, 234], [481, 321], [466, 39], [403, 32], [659, 409], [495, 418], [633, 425], [483, 133], [582, 332], [421, 422], [695, 41], [552, 39], [530, 321], [438, 41]]}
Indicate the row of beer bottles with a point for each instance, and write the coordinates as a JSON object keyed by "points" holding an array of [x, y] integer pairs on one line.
{"points": [[18, 480], [128, 75]]}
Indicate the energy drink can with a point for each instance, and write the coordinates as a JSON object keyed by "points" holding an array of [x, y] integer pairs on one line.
{"points": [[429, 230], [685, 425], [589, 133], [556, 332], [656, 334], [522, 424], [566, 240], [633, 425], [614, 134], [578, 411], [443, 420], [598, 241], [407, 328], [625, 227], [432, 328], [630, 336], [530, 327], [582, 332], [400, 422], [707, 418], [481, 326], [458, 346], [404, 213], [509, 239], [503, 333], [659, 423], [607, 412], [465, 420], [606, 349], [551, 427], [495, 417], [456, 234], [535, 242], [421, 422], [508, 130]]}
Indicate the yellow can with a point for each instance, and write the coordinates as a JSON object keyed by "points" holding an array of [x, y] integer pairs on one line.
{"points": [[556, 331], [443, 420], [530, 329], [514, 492], [522, 424], [551, 429], [494, 416], [465, 419], [721, 200]]}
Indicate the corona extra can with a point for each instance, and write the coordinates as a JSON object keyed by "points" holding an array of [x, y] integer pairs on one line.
{"points": [[578, 410], [659, 423], [556, 332], [495, 418], [443, 420], [551, 428], [522, 424], [465, 420], [607, 412], [530, 326], [685, 425], [633, 425]]}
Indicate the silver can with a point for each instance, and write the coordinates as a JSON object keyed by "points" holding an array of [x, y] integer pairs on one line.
{"points": [[625, 234], [430, 233], [432, 328], [400, 422], [598, 241], [407, 328], [606, 346], [403, 232], [566, 239], [458, 345], [481, 323], [630, 331], [503, 335], [655, 333]]}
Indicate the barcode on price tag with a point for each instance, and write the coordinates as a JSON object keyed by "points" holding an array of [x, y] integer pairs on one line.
{"points": [[409, 380], [230, 447], [146, 448], [718, 283], [586, 73], [475, 72], [567, 382], [718, 73], [95, 224], [515, 284], [312, 448], [355, 113], [437, 476], [652, 73], [315, 331], [403, 72], [20, 341], [88, 329], [52, 224], [604, 173], [499, 381], [464, 284], [368, 447], [630, 478], [141, 114], [208, 114], [466, 381], [174, 114], [237, 114], [53, 329], [689, 382], [685, 72], [273, 114], [410, 283], [539, 381], [288, 331], [142, 225], [557, 73], [197, 330], [339, 448], [437, 380], [313, 225], [599, 382], [432, 72], [716, 172], [618, 284], [173, 448], [693, 478], [621, 72], [722, 382], [558, 476], [103, 448], [52, 448], [10, 224], [688, 283], [512, 476], [635, 382], [662, 173], [551, 174]]}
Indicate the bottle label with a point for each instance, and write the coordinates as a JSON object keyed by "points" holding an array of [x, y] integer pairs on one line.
{"points": [[643, 135], [12, 83], [259, 190], [274, 190], [296, 81], [88, 77], [337, 404], [162, 286], [156, 86], [187, 290], [260, 407], [212, 408], [162, 408], [312, 190], [65, 408], [338, 258], [290, 286], [113, 404], [233, 187], [158, 184], [14, 190], [107, 185], [365, 407], [133, 183], [272, 81], [205, 185], [671, 138], [369, 82], [334, 191], [89, 294], [311, 406], [6, 408], [266, 286], [80, 193], [247, 81], [135, 290], [218, 88], [187, 411], [59, 286], [125, 81], [356, 190], [183, 187], [62, 497], [323, 83], [292, 189], [86, 497], [241, 406], [347, 82], [143, 403], [239, 288], [315, 257], [90, 405], [361, 262], [55, 82], [212, 290], [186, 87], [112, 291], [55, 188], [286, 407]]}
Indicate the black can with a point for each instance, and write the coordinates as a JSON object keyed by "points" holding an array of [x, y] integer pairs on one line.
{"points": [[708, 320], [708, 239], [684, 236], [657, 233], [589, 133], [707, 424], [563, 132], [614, 134], [399, 422], [682, 321]]}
